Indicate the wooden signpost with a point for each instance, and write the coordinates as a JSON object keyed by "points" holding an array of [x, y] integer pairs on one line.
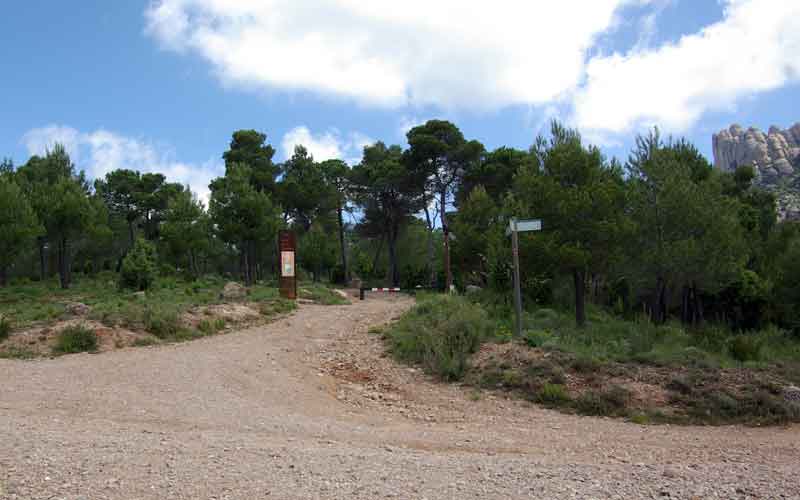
{"points": [[287, 244], [514, 228]]}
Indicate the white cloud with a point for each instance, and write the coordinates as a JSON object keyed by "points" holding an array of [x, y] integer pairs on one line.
{"points": [[469, 54], [102, 151], [754, 48], [326, 146], [449, 53]]}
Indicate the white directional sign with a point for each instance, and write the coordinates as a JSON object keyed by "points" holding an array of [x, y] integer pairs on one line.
{"points": [[529, 225], [522, 226]]}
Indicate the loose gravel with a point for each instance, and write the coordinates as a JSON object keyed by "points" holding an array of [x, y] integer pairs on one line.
{"points": [[311, 407]]}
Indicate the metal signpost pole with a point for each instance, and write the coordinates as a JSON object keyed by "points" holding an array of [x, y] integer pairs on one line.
{"points": [[514, 228], [517, 287]]}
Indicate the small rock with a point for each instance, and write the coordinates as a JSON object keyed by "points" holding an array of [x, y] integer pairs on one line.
{"points": [[140, 295], [234, 290], [792, 394], [77, 309]]}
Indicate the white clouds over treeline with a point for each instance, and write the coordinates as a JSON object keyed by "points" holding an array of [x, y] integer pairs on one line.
{"points": [[101, 151], [469, 54]]}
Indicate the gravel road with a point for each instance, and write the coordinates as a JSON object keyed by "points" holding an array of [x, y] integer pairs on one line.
{"points": [[310, 407]]}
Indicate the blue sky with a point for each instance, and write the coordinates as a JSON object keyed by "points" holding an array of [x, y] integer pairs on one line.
{"points": [[161, 85]]}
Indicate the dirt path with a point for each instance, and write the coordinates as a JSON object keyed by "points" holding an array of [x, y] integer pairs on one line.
{"points": [[309, 407]]}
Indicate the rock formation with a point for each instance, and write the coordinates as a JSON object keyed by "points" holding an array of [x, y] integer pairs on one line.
{"points": [[774, 155]]}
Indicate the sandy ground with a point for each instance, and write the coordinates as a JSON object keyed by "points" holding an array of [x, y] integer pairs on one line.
{"points": [[310, 407]]}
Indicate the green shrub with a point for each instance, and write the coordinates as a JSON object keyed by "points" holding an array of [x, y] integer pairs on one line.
{"points": [[75, 339], [145, 341], [711, 339], [161, 322], [211, 327], [18, 353], [681, 385], [610, 402], [440, 333], [545, 371], [553, 395], [586, 365], [138, 270], [277, 306], [745, 348], [537, 338], [5, 328]]}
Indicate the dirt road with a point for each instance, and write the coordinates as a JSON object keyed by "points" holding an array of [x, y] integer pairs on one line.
{"points": [[309, 407]]}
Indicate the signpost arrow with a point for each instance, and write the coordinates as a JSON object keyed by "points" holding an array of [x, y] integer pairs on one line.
{"points": [[514, 228]]}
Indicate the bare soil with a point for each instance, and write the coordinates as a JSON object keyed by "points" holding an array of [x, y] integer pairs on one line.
{"points": [[310, 406]]}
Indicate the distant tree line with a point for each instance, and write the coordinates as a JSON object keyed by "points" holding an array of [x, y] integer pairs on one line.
{"points": [[662, 235]]}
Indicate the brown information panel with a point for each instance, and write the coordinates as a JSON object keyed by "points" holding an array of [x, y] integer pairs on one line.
{"points": [[287, 244]]}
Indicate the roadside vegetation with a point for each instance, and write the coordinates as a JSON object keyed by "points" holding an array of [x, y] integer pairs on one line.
{"points": [[41, 319], [610, 367]]}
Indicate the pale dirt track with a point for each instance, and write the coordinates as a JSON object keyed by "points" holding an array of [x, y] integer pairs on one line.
{"points": [[307, 407]]}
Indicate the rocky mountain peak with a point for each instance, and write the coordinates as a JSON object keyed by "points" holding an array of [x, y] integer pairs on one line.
{"points": [[774, 155]]}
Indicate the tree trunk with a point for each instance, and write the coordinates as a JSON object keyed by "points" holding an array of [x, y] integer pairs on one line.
{"points": [[42, 259], [394, 275], [131, 233], [63, 263], [691, 305], [448, 276], [345, 269], [659, 313], [686, 316], [431, 270], [193, 264], [378, 253], [698, 306], [580, 297], [3, 276], [245, 265]]}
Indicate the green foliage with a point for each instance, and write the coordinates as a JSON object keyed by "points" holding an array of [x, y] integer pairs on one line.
{"points": [[756, 406], [612, 401], [145, 341], [163, 322], [388, 193], [18, 353], [745, 348], [440, 333], [244, 216], [75, 339], [580, 198], [537, 338], [211, 327], [249, 147], [552, 395], [186, 230], [687, 231], [317, 250], [18, 224], [438, 156], [305, 193], [139, 267], [277, 306], [5, 328]]}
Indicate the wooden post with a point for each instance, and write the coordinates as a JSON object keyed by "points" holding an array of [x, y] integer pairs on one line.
{"points": [[517, 287], [287, 243]]}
